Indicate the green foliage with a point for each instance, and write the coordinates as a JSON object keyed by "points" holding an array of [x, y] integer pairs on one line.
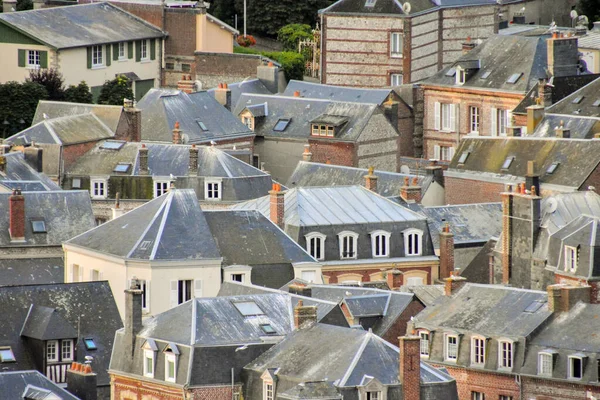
{"points": [[51, 79], [293, 64], [23, 5], [291, 34], [18, 102], [79, 94], [591, 9], [224, 10], [113, 92]]}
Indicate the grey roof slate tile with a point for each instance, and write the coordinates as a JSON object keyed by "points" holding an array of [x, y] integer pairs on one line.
{"points": [[19, 174], [16, 384], [427, 294], [110, 115], [337, 93], [367, 305], [27, 271], [255, 86], [585, 107], [312, 390], [45, 323], [579, 127]]}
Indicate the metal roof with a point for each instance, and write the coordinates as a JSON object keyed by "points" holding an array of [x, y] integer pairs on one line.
{"points": [[337, 93], [20, 175]]}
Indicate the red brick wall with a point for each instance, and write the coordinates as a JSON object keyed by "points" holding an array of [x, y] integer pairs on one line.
{"points": [[181, 25], [410, 368], [333, 275], [338, 153], [592, 180], [72, 153], [213, 393], [466, 191], [491, 384], [546, 389], [147, 12], [399, 327], [595, 286]]}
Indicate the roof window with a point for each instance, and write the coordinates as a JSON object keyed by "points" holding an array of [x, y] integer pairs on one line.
{"points": [[7, 355], [112, 145], [268, 329], [514, 78], [534, 306], [201, 125], [596, 103], [248, 308], [122, 167], [463, 157], [281, 125], [370, 3], [38, 226], [552, 167], [507, 162], [451, 72], [485, 75], [90, 344], [577, 100]]}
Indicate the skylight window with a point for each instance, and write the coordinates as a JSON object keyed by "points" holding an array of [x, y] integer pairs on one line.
{"points": [[534, 306], [90, 344], [7, 355], [122, 167], [38, 226], [451, 72], [486, 74], [596, 103], [463, 157], [514, 78], [507, 162], [370, 3], [577, 100], [552, 167], [111, 145], [248, 308], [201, 125], [281, 125], [268, 329]]}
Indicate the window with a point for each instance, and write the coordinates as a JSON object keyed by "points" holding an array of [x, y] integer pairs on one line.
{"points": [[514, 78], [315, 245], [66, 350], [149, 363], [33, 59], [170, 371], [486, 75], [545, 364], [414, 281], [98, 189], [52, 351], [463, 157], [76, 183], [237, 278], [396, 79], [370, 3], [90, 344], [424, 346], [348, 243], [322, 130], [445, 153], [248, 308], [112, 145], [161, 187], [281, 125], [451, 348], [38, 226], [184, 291], [248, 122], [451, 72], [97, 59], [212, 190], [505, 397], [477, 396], [373, 396], [95, 275], [507, 162], [396, 44], [445, 117], [577, 99], [122, 167], [474, 119], [499, 121], [121, 53], [186, 67], [268, 329], [76, 273], [552, 167], [570, 258], [412, 242], [478, 351], [575, 367], [461, 76], [7, 355], [505, 359], [380, 243], [144, 50], [596, 103], [308, 276], [447, 123], [268, 391]]}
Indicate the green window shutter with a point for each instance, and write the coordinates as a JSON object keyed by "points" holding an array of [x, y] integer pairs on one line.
{"points": [[107, 55], [116, 51], [89, 57], [21, 58], [138, 50], [152, 49], [43, 59], [129, 50]]}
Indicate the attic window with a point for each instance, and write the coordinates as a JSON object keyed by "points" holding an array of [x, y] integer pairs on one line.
{"points": [[90, 344], [248, 308], [122, 167], [596, 103], [552, 167], [268, 329], [461, 77], [110, 145], [38, 226], [7, 355], [281, 125], [534, 306], [514, 78], [201, 125], [507, 162], [145, 244], [463, 157], [486, 74], [451, 72], [577, 100], [370, 3]]}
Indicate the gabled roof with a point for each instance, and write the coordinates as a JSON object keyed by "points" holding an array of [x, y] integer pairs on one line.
{"points": [[66, 214], [337, 93], [338, 205], [584, 102], [16, 385], [19, 174], [161, 108], [109, 115], [374, 305], [170, 227], [80, 25], [45, 323], [427, 294], [255, 86]]}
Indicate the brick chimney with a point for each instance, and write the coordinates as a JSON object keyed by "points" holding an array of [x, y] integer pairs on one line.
{"points": [[133, 316], [544, 92], [304, 316], [561, 297], [17, 216], [411, 191], [371, 180], [307, 155], [562, 132], [300, 290], [131, 131], [177, 134], [563, 55], [186, 84], [34, 157], [143, 159], [269, 76], [193, 164], [82, 382], [277, 205], [446, 252], [535, 114], [453, 283], [223, 95], [532, 179], [409, 370], [394, 278], [468, 45]]}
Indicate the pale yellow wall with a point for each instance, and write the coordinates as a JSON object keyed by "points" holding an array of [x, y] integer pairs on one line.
{"points": [[210, 37], [592, 58], [9, 61]]}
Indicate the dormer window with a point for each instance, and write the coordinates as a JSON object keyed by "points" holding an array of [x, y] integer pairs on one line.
{"points": [[322, 130], [348, 245], [150, 350], [570, 258], [424, 344], [171, 352], [380, 243], [546, 362], [478, 351], [461, 76], [315, 245], [575, 367], [413, 242], [505, 354]]}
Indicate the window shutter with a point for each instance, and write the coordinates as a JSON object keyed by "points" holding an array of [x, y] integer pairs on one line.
{"points": [[508, 119], [173, 294], [108, 59], [21, 58], [494, 131], [152, 49], [115, 49], [91, 274], [450, 153], [100, 276], [437, 152], [72, 274], [89, 57], [43, 59], [437, 110], [453, 117], [197, 288], [138, 50], [129, 50], [80, 273]]}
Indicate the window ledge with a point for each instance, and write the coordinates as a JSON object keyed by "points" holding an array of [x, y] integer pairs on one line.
{"points": [[145, 61], [33, 67], [122, 59], [396, 56], [98, 66]]}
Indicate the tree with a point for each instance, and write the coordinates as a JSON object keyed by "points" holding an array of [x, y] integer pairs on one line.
{"points": [[51, 79], [291, 34], [79, 94], [591, 9], [224, 10], [113, 92], [18, 102]]}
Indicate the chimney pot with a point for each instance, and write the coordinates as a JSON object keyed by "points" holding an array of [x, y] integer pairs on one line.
{"points": [[371, 180], [17, 216], [223, 95], [307, 155], [297, 93], [453, 283]]}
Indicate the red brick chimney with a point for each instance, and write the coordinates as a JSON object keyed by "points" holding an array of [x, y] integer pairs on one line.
{"points": [[304, 315], [468, 45], [223, 95], [131, 131], [409, 370], [371, 180], [411, 191], [143, 159], [17, 216], [177, 134], [562, 298], [453, 283], [394, 278], [277, 201], [446, 252], [186, 84]]}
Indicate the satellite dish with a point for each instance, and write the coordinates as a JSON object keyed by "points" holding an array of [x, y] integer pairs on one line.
{"points": [[406, 7], [574, 14], [551, 205]]}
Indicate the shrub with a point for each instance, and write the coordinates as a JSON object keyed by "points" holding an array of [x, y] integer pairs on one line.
{"points": [[113, 92], [291, 34], [51, 79], [79, 94], [246, 41]]}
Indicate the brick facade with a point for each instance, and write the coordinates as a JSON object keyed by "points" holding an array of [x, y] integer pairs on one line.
{"points": [[333, 152], [399, 326], [71, 153], [377, 273], [467, 191], [546, 389], [491, 384]]}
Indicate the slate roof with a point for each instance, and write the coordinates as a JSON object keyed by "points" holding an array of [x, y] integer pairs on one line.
{"points": [[254, 86], [45, 323], [20, 175], [591, 40], [66, 214], [66, 130], [81, 25], [337, 205], [337, 93], [109, 115], [519, 55], [161, 108], [88, 307], [27, 271], [367, 305], [170, 227], [427, 294], [309, 174], [577, 158], [16, 384], [584, 107], [579, 127], [312, 390], [478, 270]]}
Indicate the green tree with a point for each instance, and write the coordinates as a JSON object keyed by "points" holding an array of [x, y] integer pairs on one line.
{"points": [[18, 102], [113, 92], [291, 34], [52, 80], [591, 9], [79, 94], [224, 10]]}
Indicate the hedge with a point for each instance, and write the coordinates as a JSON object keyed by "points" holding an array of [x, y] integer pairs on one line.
{"points": [[292, 63]]}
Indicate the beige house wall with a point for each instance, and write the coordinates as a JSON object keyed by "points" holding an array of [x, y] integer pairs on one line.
{"points": [[210, 37], [9, 61]]}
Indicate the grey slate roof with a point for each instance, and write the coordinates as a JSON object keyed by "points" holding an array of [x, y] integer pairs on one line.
{"points": [[27, 271], [394, 8], [81, 25], [427, 294], [579, 127], [338, 205], [591, 40], [312, 390], [66, 214], [161, 108], [585, 107], [20, 175], [367, 305], [89, 307], [45, 323], [170, 227], [255, 86], [478, 270], [109, 115], [309, 174], [337, 93], [16, 384]]}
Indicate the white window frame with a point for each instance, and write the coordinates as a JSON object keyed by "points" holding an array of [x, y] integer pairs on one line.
{"points": [[97, 56], [170, 358], [445, 117], [545, 362], [474, 120], [373, 395], [144, 50], [70, 355], [396, 44], [352, 239], [411, 279], [478, 351], [396, 79], [122, 51], [382, 237], [446, 153], [570, 258], [570, 368], [320, 256], [418, 237], [98, 192], [500, 119], [248, 122], [461, 76], [447, 338], [161, 187], [425, 337], [477, 396], [149, 355], [209, 189], [54, 344], [35, 56], [506, 361], [268, 390]]}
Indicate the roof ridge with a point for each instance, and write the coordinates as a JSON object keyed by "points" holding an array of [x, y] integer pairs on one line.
{"points": [[163, 222], [156, 214], [357, 356]]}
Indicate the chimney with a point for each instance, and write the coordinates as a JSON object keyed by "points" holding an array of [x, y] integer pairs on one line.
{"points": [[563, 56], [371, 180], [307, 155], [82, 382], [277, 206], [186, 84], [117, 211], [390, 108], [193, 164], [532, 179], [518, 19], [411, 192], [34, 156], [17, 216], [562, 132], [561, 297], [297, 93], [544, 92], [446, 252], [223, 95], [513, 131], [304, 316], [132, 131], [394, 278], [143, 159], [453, 284], [535, 114], [437, 171], [133, 316], [409, 369], [468, 45], [177, 134], [300, 290], [269, 76], [596, 27]]}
